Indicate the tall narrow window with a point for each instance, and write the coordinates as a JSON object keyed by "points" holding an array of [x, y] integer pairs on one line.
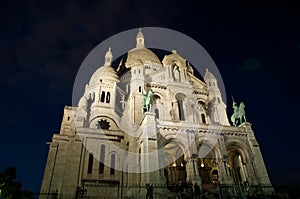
{"points": [[112, 164], [156, 111], [203, 118], [90, 163], [140, 89], [180, 110], [219, 101], [107, 97], [102, 159], [102, 96]]}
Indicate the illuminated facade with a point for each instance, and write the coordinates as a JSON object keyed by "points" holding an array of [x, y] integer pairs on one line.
{"points": [[186, 132]]}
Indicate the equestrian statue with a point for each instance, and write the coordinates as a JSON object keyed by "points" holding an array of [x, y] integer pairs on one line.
{"points": [[239, 114], [147, 101]]}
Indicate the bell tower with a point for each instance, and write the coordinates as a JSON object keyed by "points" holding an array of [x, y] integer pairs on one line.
{"points": [[217, 107]]}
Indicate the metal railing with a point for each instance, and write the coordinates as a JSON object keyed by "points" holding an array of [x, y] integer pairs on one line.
{"points": [[161, 191]]}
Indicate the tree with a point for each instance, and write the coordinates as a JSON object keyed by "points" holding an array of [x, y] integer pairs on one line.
{"points": [[11, 189]]}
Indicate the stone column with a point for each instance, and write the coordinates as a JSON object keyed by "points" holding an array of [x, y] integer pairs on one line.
{"points": [[192, 162], [251, 173], [48, 174], [192, 171], [224, 173], [152, 159]]}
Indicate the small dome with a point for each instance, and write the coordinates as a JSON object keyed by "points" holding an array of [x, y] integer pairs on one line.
{"points": [[140, 56], [104, 73], [208, 75]]}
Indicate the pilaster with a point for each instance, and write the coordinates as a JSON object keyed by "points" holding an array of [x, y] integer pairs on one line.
{"points": [[150, 155]]}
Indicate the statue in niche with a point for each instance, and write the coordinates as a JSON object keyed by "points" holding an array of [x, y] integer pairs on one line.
{"points": [[173, 110], [176, 73]]}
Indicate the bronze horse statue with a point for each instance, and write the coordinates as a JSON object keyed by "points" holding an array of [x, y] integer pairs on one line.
{"points": [[147, 101], [239, 114]]}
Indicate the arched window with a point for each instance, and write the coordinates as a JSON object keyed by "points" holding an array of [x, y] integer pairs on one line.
{"points": [[112, 164], [180, 99], [102, 96], [140, 89], [90, 163], [107, 97], [203, 118], [156, 111], [180, 110], [102, 159]]}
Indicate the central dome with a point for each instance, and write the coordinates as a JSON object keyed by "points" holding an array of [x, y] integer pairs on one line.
{"points": [[141, 56]]}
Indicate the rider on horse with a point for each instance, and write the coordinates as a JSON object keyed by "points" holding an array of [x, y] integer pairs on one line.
{"points": [[147, 101], [238, 113]]}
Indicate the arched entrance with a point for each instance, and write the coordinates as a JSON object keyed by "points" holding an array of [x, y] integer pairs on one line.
{"points": [[207, 165], [236, 165], [175, 171]]}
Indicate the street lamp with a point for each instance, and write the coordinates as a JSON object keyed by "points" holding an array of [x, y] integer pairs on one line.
{"points": [[202, 163]]}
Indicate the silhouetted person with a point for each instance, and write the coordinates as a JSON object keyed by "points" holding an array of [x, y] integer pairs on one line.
{"points": [[249, 196], [205, 195], [151, 191], [148, 191], [177, 191], [197, 191]]}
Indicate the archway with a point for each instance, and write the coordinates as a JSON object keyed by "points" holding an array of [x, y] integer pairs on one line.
{"points": [[236, 163], [157, 106], [207, 165], [175, 171]]}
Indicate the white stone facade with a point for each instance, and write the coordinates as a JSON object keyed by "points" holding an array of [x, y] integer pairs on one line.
{"points": [[188, 123]]}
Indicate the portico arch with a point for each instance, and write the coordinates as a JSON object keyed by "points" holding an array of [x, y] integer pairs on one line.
{"points": [[158, 106], [241, 163], [208, 155], [175, 152]]}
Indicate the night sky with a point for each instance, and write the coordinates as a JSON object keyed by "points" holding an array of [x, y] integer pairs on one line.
{"points": [[42, 45]]}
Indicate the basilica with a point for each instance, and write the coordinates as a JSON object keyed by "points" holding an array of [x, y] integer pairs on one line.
{"points": [[150, 121]]}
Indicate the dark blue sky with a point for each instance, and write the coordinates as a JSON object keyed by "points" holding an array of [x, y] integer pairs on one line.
{"points": [[256, 47]]}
